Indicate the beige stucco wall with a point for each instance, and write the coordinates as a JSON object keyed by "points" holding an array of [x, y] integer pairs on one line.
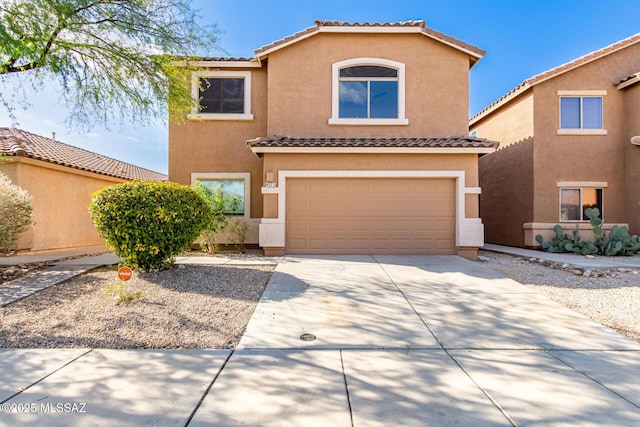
{"points": [[60, 200], [274, 162], [437, 85], [632, 158], [208, 146]]}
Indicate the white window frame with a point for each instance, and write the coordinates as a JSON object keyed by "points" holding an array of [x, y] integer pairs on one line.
{"points": [[218, 176], [579, 187], [335, 92], [580, 94], [195, 85]]}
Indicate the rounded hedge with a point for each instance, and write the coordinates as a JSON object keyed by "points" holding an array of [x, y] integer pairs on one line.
{"points": [[147, 223]]}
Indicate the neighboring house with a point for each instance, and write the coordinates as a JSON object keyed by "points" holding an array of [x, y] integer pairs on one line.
{"points": [[61, 179], [344, 138], [568, 141]]}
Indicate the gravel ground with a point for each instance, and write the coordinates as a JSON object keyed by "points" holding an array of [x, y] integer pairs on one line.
{"points": [[209, 306], [181, 307], [610, 297]]}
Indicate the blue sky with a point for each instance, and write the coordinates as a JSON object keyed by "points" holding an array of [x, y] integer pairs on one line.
{"points": [[522, 38]]}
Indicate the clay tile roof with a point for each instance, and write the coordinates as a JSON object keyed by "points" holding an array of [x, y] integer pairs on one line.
{"points": [[546, 75], [294, 142], [16, 142], [411, 23], [420, 24]]}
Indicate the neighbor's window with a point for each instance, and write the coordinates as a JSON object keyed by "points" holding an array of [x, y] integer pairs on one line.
{"points": [[222, 95], [368, 91], [581, 112], [575, 201], [232, 190]]}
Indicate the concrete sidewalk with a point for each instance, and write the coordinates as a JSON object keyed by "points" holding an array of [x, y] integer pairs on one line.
{"points": [[359, 340]]}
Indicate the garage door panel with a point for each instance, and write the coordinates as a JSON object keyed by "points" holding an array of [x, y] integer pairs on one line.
{"points": [[370, 215]]}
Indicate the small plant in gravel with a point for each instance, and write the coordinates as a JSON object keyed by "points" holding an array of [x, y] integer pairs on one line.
{"points": [[148, 223], [15, 211], [122, 293], [237, 234], [218, 221], [617, 242]]}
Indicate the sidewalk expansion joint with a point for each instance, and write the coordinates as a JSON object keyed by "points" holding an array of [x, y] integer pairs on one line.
{"points": [[206, 392], [346, 388], [46, 376]]}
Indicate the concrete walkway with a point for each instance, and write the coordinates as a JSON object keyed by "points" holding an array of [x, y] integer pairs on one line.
{"points": [[354, 340], [591, 262]]}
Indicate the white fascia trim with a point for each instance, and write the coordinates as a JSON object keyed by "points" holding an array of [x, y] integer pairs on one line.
{"points": [[218, 64], [635, 140], [290, 42], [372, 150], [453, 45], [246, 176], [458, 175], [629, 82], [227, 64], [195, 85], [498, 104], [335, 90]]}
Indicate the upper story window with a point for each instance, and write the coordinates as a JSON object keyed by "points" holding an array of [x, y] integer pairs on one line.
{"points": [[368, 91], [581, 113], [222, 95]]}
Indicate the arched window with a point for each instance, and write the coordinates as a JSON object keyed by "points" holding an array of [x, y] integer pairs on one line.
{"points": [[368, 91]]}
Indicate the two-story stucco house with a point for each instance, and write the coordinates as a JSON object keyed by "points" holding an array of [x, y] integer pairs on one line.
{"points": [[344, 138], [568, 141]]}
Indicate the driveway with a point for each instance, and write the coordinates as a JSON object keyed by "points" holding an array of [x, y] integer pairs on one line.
{"points": [[420, 340], [355, 340]]}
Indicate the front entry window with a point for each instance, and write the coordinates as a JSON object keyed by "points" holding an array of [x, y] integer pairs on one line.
{"points": [[575, 201]]}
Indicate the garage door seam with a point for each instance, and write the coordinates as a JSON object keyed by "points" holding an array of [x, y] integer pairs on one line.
{"points": [[484, 391]]}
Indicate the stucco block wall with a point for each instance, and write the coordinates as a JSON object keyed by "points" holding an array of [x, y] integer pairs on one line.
{"points": [[208, 146], [632, 158], [60, 198], [437, 85], [512, 125], [506, 202]]}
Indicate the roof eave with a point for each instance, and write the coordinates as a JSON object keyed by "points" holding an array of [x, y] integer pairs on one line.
{"points": [[260, 151]]}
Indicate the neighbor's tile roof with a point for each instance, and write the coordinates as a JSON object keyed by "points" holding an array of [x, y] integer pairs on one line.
{"points": [[546, 75], [319, 24], [294, 142], [16, 142]]}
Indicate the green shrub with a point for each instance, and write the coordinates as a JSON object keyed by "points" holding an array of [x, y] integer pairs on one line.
{"points": [[15, 211], [218, 219], [147, 223]]}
